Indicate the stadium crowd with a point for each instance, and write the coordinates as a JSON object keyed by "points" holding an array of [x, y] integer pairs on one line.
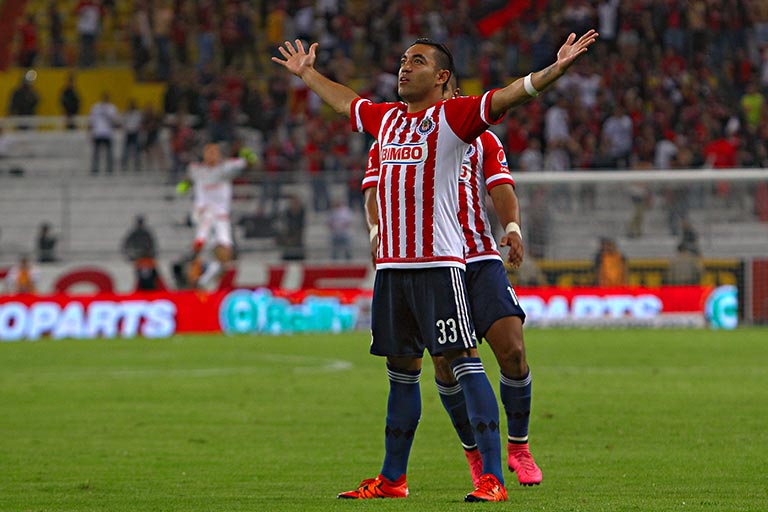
{"points": [[674, 83], [671, 84]]}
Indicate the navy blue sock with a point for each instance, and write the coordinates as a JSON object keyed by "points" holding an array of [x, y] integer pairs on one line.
{"points": [[403, 414], [483, 411], [455, 405], [516, 397]]}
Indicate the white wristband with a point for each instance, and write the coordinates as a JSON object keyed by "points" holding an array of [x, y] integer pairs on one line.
{"points": [[514, 227], [373, 232], [528, 84]]}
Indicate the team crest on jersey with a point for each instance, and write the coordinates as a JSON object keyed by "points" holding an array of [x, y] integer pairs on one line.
{"points": [[426, 127]]}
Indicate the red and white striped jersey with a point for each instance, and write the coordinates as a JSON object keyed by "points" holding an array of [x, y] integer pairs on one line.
{"points": [[483, 168], [420, 157], [213, 185]]}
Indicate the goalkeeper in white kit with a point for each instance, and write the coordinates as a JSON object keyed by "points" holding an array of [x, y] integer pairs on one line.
{"points": [[211, 181]]}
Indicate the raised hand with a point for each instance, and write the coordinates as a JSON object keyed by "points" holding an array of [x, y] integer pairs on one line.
{"points": [[570, 51], [297, 60]]}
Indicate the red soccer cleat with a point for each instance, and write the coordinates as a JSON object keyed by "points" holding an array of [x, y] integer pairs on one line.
{"points": [[521, 461], [475, 465], [489, 489], [378, 487]]}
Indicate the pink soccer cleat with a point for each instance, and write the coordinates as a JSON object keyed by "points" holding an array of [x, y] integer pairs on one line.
{"points": [[520, 461]]}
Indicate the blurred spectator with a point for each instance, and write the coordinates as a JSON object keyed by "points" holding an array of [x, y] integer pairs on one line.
{"points": [[22, 277], [28, 48], [139, 247], [290, 232], [229, 37], [608, 16], [314, 155], [490, 66], [610, 264], [46, 244], [132, 120], [89, 15], [689, 237], [722, 153], [278, 156], [162, 21], [245, 21], [341, 222], [531, 159], [139, 242], [180, 30], [102, 121], [685, 267], [617, 137], [205, 19], [275, 26], [151, 123], [141, 39], [182, 148], [556, 122], [55, 34], [24, 100], [753, 105], [69, 100]]}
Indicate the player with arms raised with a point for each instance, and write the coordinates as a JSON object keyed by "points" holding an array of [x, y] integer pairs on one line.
{"points": [[497, 314], [419, 299]]}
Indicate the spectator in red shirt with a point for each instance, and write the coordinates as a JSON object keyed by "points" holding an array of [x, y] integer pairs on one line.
{"points": [[28, 44]]}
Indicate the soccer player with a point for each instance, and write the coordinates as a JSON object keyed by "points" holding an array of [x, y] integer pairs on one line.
{"points": [[212, 182], [497, 314], [420, 298]]}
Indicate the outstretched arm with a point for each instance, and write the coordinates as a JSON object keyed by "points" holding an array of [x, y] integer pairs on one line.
{"points": [[302, 64], [515, 93]]}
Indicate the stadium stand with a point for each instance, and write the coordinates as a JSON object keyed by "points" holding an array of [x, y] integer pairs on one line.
{"points": [[649, 64]]}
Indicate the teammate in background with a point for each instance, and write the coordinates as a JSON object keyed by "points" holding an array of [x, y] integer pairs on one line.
{"points": [[497, 314], [419, 298], [212, 182]]}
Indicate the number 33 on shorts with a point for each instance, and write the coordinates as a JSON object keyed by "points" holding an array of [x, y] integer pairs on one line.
{"points": [[448, 332]]}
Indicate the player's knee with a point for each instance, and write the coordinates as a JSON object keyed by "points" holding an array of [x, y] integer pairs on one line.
{"points": [[443, 372]]}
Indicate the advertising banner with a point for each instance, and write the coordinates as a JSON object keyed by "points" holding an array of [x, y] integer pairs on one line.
{"points": [[265, 311]]}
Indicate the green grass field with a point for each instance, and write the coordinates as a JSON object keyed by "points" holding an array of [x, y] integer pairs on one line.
{"points": [[622, 420]]}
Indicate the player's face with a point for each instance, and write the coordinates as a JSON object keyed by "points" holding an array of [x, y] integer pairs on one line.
{"points": [[418, 74], [211, 154]]}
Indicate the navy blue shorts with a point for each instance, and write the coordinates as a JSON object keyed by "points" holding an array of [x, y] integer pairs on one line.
{"points": [[490, 295], [419, 309]]}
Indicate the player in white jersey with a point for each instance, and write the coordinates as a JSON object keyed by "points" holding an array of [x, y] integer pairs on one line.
{"points": [[419, 299], [211, 181]]}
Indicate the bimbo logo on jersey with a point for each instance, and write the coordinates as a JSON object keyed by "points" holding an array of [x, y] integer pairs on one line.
{"points": [[404, 153]]}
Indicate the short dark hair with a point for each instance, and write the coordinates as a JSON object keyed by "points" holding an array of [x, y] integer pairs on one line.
{"points": [[444, 55]]}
